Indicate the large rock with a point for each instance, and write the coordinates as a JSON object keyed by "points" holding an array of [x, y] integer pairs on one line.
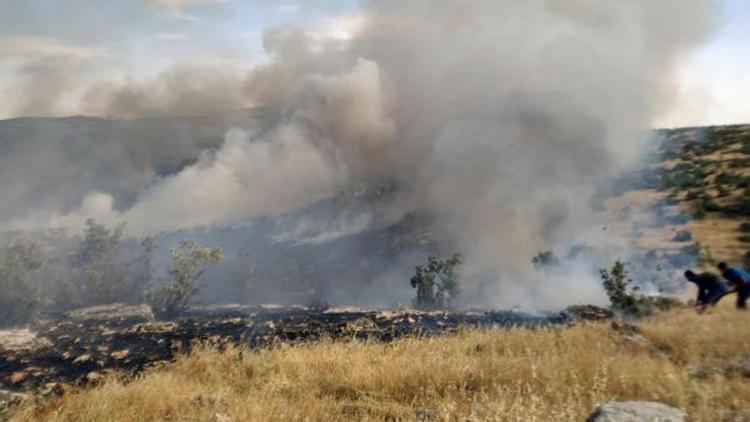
{"points": [[113, 313], [636, 411], [587, 313], [21, 340]]}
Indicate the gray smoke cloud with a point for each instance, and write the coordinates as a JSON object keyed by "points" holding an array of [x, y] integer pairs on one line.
{"points": [[497, 117]]}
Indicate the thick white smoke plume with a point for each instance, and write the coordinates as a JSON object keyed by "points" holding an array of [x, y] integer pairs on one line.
{"points": [[497, 117]]}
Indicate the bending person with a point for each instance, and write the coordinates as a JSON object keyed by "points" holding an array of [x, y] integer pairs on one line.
{"points": [[710, 288], [739, 279]]}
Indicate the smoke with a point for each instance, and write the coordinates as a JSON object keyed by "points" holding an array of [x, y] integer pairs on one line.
{"points": [[184, 90], [497, 117]]}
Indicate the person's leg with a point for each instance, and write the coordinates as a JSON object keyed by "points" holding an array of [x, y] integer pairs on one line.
{"points": [[702, 297], [742, 295]]}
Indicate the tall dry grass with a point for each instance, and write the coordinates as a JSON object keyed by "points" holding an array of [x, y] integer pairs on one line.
{"points": [[679, 358]]}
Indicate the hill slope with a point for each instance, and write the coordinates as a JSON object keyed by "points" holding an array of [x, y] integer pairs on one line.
{"points": [[694, 192]]}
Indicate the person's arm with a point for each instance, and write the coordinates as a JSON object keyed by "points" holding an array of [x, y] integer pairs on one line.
{"points": [[701, 296]]}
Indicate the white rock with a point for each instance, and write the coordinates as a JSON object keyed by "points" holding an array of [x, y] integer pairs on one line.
{"points": [[636, 411]]}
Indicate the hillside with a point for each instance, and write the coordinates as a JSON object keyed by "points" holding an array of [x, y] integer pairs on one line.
{"points": [[689, 198], [692, 194]]}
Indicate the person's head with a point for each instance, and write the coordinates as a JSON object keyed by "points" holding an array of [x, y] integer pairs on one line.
{"points": [[722, 266], [690, 275]]}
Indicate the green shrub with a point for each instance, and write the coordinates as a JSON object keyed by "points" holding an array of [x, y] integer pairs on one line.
{"points": [[739, 206], [96, 265], [728, 178], [745, 227], [623, 295], [683, 236], [436, 282], [722, 190], [709, 204], [105, 268], [20, 277], [188, 262], [544, 260]]}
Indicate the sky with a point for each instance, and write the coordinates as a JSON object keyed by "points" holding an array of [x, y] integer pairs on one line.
{"points": [[715, 80], [137, 39]]}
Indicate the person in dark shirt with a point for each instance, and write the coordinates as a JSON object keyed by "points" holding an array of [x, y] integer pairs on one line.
{"points": [[739, 279], [710, 288]]}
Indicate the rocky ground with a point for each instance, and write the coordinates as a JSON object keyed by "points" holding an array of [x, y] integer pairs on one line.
{"points": [[83, 345]]}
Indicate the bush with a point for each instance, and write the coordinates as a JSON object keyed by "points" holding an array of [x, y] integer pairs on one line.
{"points": [[709, 204], [623, 295], [683, 236], [740, 205], [107, 269], [189, 259], [676, 219], [670, 200], [436, 282], [745, 227], [97, 266], [722, 190], [704, 206], [20, 266], [544, 260]]}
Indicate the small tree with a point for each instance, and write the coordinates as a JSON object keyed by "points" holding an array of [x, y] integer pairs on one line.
{"points": [[20, 266], [189, 260], [624, 296], [96, 263], [141, 271], [436, 282]]}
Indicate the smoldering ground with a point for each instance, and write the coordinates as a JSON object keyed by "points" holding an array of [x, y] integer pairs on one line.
{"points": [[495, 118]]}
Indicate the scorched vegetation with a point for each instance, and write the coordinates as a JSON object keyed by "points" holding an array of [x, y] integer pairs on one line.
{"points": [[508, 375]]}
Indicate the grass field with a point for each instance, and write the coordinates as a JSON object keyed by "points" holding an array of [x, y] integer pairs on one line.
{"points": [[687, 360]]}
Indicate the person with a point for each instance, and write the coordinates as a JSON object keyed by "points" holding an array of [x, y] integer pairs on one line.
{"points": [[710, 288], [739, 279]]}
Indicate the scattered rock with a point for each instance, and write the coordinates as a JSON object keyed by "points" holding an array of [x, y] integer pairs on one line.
{"points": [[11, 398], [636, 411], [743, 367], [729, 368], [734, 416], [21, 339], [120, 354], [82, 359], [424, 414], [220, 417], [94, 376], [588, 313], [206, 400], [18, 377]]}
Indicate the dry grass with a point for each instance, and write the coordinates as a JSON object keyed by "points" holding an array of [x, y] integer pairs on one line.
{"points": [[513, 375]]}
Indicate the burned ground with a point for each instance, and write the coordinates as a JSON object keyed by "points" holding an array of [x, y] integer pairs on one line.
{"points": [[85, 345]]}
